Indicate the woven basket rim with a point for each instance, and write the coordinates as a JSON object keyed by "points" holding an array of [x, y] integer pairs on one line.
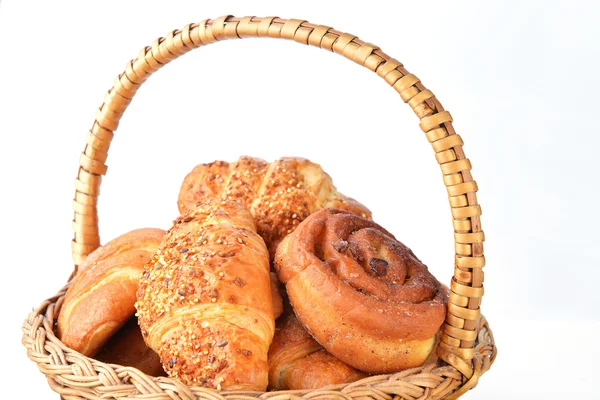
{"points": [[70, 373], [466, 345]]}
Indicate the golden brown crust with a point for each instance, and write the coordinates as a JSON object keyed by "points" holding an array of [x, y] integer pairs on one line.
{"points": [[204, 300], [205, 180], [279, 195], [127, 348], [297, 361], [362, 294], [102, 295], [276, 295]]}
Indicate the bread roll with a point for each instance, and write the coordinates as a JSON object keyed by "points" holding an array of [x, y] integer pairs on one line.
{"points": [[101, 297]]}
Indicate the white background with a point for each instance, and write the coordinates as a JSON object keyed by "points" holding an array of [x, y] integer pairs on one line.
{"points": [[520, 79]]}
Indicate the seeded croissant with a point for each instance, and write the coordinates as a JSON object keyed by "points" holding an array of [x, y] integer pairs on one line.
{"points": [[204, 300], [279, 195]]}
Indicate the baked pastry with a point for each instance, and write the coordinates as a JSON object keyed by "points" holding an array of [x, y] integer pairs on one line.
{"points": [[101, 297], [276, 299], [279, 195], [127, 348], [362, 294], [204, 300], [297, 361]]}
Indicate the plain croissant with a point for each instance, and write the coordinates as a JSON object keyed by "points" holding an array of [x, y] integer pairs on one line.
{"points": [[279, 195], [297, 361], [101, 297], [204, 300]]}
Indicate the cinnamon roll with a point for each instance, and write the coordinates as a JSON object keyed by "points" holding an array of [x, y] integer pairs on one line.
{"points": [[363, 295]]}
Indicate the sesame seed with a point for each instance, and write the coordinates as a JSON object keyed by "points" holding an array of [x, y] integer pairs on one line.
{"points": [[183, 250], [294, 215], [222, 343]]}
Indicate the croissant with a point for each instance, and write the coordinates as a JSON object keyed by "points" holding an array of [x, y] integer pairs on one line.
{"points": [[102, 295], [297, 361], [279, 195], [363, 295], [127, 347], [204, 300]]}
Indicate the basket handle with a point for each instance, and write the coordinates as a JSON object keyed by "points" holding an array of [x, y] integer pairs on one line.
{"points": [[459, 331]]}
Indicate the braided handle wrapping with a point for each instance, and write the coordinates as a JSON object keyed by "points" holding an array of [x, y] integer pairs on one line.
{"points": [[460, 328]]}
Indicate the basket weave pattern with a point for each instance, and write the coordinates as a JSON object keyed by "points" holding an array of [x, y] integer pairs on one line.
{"points": [[466, 347]]}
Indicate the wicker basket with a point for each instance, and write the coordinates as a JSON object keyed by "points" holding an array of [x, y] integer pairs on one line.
{"points": [[466, 349]]}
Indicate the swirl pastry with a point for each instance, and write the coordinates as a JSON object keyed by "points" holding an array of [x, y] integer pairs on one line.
{"points": [[204, 300], [279, 195], [297, 361], [101, 297], [362, 294]]}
